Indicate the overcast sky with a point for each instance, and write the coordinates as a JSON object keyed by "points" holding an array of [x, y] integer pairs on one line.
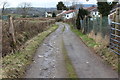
{"points": [[45, 3]]}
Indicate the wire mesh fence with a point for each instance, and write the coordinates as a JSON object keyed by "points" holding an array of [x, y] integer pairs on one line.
{"points": [[100, 26], [97, 25]]}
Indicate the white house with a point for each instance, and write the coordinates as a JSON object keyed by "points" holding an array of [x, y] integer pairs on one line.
{"points": [[93, 12], [68, 14], [61, 13], [48, 14]]}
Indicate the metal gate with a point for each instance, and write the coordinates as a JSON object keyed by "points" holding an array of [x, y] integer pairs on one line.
{"points": [[115, 38]]}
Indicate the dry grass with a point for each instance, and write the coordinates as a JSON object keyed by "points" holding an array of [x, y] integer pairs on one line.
{"points": [[107, 55], [24, 30], [14, 65], [103, 50], [100, 46], [98, 38]]}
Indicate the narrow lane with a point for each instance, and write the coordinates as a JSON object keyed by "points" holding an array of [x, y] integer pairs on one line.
{"points": [[87, 64], [49, 61]]}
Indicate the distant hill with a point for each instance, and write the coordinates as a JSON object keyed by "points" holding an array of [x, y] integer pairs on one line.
{"points": [[34, 11], [85, 5], [89, 5], [41, 11]]}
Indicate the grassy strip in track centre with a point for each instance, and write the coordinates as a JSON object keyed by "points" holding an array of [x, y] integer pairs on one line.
{"points": [[69, 66], [63, 29], [14, 65]]}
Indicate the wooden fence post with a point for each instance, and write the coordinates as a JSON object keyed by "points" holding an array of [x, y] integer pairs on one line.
{"points": [[12, 33]]}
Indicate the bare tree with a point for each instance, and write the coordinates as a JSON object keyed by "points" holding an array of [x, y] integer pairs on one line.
{"points": [[4, 6], [24, 8]]}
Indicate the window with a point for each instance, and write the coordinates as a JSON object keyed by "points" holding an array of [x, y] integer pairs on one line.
{"points": [[95, 13], [67, 15]]}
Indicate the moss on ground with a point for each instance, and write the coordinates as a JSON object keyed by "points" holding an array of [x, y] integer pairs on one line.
{"points": [[63, 29], [14, 65], [69, 66]]}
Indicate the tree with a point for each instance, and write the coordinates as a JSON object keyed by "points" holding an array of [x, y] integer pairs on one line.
{"points": [[78, 25], [61, 6], [81, 15], [5, 4], [105, 7], [24, 8], [53, 14]]}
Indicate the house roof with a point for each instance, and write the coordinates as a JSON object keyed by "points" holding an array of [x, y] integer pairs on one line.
{"points": [[66, 12], [70, 11]]}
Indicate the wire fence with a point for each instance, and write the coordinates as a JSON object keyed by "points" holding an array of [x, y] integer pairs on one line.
{"points": [[97, 25], [100, 26]]}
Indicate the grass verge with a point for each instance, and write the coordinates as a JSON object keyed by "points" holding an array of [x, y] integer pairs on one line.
{"points": [[68, 64], [14, 65], [89, 41], [100, 49]]}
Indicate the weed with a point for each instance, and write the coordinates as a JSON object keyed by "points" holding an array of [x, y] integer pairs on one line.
{"points": [[14, 65], [89, 41], [69, 66], [63, 29], [100, 49]]}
